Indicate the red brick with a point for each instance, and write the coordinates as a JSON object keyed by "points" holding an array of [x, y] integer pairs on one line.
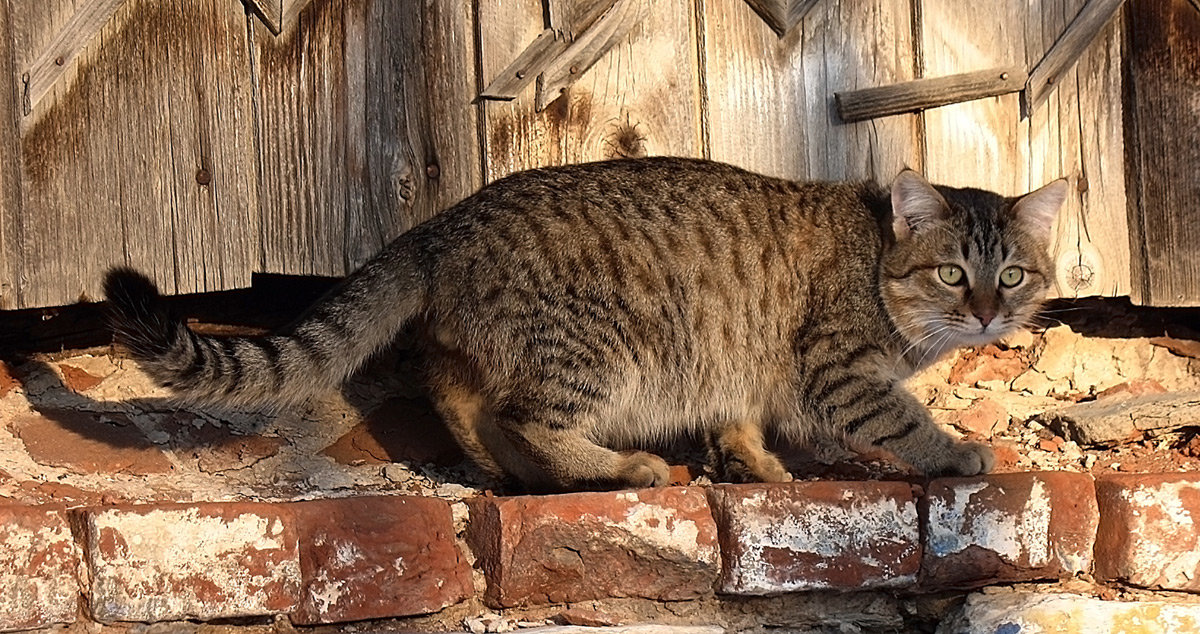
{"points": [[38, 568], [377, 557], [808, 535], [1150, 530], [204, 561], [654, 543], [1008, 527], [89, 442]]}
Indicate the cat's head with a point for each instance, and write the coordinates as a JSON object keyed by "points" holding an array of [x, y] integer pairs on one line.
{"points": [[967, 266]]}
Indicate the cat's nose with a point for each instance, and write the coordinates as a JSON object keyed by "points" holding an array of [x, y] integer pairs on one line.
{"points": [[985, 316]]}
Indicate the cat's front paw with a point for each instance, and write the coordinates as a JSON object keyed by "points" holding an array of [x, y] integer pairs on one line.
{"points": [[640, 470], [965, 459]]}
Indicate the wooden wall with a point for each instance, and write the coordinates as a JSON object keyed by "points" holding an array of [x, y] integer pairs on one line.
{"points": [[205, 140]]}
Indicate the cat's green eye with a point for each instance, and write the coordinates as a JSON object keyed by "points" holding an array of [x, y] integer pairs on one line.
{"points": [[951, 274], [1011, 276]]}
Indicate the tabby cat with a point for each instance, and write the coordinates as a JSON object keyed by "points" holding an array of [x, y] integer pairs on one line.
{"points": [[568, 310]]}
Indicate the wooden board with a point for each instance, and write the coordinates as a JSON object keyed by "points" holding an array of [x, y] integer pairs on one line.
{"points": [[111, 156], [367, 127], [1073, 134], [10, 180], [1163, 97], [769, 101], [622, 106]]}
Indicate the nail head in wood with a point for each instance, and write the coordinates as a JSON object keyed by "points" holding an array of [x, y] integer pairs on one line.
{"points": [[432, 170], [203, 176]]}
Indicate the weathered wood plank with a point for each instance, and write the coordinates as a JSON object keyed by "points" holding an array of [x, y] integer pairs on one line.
{"points": [[1075, 39], [367, 127], [779, 92], [111, 155], [300, 81], [978, 143], [10, 181], [421, 145], [1105, 225], [1164, 150], [1090, 246], [622, 106], [922, 94], [852, 44]]}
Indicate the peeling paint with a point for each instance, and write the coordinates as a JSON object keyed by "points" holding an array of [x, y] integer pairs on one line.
{"points": [[1163, 556], [185, 563], [662, 528], [38, 584], [957, 523], [830, 532]]}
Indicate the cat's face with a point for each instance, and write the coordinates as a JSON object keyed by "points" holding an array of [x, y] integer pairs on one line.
{"points": [[968, 266]]}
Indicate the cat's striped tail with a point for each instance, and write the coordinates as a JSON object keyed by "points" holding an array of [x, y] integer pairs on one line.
{"points": [[334, 337]]}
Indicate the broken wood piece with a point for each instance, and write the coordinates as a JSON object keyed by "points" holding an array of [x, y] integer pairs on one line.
{"points": [[528, 65], [1111, 421], [1079, 34], [588, 48], [921, 94], [781, 15], [270, 12], [572, 17]]}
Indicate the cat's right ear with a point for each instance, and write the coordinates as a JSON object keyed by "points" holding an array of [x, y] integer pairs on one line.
{"points": [[915, 203]]}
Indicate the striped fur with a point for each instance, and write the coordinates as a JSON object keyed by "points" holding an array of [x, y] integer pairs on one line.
{"points": [[569, 311]]}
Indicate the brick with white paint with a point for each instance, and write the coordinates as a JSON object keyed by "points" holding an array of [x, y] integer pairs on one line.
{"points": [[1008, 527], [652, 543], [377, 557], [39, 566], [204, 561], [1150, 530], [812, 535]]}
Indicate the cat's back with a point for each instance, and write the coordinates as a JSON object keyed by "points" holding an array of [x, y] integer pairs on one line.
{"points": [[668, 208]]}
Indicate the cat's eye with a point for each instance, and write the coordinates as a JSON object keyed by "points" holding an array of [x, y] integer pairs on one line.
{"points": [[951, 274], [1011, 276]]}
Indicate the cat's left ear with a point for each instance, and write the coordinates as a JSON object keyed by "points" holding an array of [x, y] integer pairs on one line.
{"points": [[1037, 210], [915, 204]]}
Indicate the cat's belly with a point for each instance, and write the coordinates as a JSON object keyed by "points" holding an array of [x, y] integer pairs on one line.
{"points": [[658, 409]]}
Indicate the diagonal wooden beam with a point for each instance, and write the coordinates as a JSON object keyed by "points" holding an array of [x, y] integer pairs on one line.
{"points": [[528, 65], [781, 15], [609, 29], [72, 38], [277, 15], [1082, 31]]}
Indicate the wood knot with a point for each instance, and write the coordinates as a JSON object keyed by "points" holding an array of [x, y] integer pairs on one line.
{"points": [[1081, 276]]}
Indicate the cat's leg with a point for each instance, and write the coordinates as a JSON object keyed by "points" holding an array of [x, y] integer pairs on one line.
{"points": [[873, 412], [738, 453], [464, 410], [553, 441]]}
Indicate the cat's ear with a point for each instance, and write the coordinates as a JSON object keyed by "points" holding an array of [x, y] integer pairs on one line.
{"points": [[1037, 210], [915, 203]]}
